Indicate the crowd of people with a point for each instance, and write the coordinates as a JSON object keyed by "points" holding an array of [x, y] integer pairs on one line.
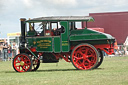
{"points": [[120, 50], [7, 52]]}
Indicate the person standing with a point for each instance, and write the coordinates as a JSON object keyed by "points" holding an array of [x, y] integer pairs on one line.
{"points": [[125, 49], [9, 52], [1, 48], [5, 46], [14, 50], [116, 48]]}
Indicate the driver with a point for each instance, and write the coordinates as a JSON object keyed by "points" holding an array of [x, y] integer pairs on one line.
{"points": [[60, 30]]}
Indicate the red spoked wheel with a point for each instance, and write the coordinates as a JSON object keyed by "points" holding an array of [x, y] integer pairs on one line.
{"points": [[84, 56], [22, 63], [36, 64]]}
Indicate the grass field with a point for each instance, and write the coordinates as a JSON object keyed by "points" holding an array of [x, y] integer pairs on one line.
{"points": [[113, 71]]}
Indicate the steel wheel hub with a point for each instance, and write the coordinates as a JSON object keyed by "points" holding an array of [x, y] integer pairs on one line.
{"points": [[85, 56], [22, 63]]}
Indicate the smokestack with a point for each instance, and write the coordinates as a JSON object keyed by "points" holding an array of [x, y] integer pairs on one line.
{"points": [[23, 25]]}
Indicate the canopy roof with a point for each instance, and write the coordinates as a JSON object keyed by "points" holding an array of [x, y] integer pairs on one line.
{"points": [[62, 18]]}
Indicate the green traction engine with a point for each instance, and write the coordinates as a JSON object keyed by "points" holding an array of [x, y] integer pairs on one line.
{"points": [[48, 39]]}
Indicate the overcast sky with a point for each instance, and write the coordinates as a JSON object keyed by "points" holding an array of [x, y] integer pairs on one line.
{"points": [[12, 10]]}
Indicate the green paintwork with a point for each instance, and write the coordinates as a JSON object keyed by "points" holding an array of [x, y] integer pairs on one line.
{"points": [[30, 41], [31, 33], [44, 44], [57, 44], [87, 34], [64, 37]]}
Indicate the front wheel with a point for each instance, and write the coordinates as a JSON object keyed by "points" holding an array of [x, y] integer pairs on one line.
{"points": [[22, 63], [84, 57]]}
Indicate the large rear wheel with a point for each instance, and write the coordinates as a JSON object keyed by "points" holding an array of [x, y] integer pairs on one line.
{"points": [[84, 56], [22, 63]]}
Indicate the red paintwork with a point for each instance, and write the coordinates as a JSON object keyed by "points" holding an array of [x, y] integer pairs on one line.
{"points": [[48, 31], [33, 49], [72, 47], [84, 57], [40, 54], [65, 56], [22, 58], [97, 29], [109, 49]]}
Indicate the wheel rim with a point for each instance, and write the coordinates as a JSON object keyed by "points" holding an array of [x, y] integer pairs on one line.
{"points": [[22, 63], [84, 57]]}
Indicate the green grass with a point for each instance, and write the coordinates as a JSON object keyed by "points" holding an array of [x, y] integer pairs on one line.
{"points": [[113, 71]]}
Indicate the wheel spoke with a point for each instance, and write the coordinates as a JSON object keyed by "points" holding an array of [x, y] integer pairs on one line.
{"points": [[26, 64], [78, 53], [91, 55], [21, 58], [81, 53], [78, 58], [26, 61], [24, 68], [83, 64], [88, 61], [79, 63], [18, 66], [17, 60], [86, 52]]}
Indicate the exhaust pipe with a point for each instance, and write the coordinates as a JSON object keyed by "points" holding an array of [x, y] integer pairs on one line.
{"points": [[23, 25]]}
